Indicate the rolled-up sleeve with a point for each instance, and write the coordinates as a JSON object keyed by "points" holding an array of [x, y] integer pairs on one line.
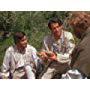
{"points": [[65, 57]]}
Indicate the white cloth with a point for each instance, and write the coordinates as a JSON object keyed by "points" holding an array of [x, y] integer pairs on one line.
{"points": [[29, 73], [49, 43], [72, 74], [63, 48], [14, 59]]}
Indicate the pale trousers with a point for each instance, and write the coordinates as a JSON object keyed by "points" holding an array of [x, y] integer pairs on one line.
{"points": [[26, 73], [55, 68]]}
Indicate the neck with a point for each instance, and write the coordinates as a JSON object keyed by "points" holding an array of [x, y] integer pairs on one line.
{"points": [[20, 49], [57, 37]]}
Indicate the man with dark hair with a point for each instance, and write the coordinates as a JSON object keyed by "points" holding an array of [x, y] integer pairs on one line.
{"points": [[54, 20], [80, 63], [17, 36], [57, 48], [20, 60]]}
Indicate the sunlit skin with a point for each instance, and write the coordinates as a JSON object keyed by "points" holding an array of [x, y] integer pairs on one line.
{"points": [[47, 55], [56, 30], [22, 44]]}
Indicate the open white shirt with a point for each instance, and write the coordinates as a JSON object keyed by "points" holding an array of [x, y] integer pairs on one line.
{"points": [[49, 41], [14, 59]]}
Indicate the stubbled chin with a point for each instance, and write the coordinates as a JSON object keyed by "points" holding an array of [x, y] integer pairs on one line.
{"points": [[56, 34], [24, 46]]}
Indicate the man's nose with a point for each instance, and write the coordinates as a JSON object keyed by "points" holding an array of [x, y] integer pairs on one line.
{"points": [[56, 29], [25, 42]]}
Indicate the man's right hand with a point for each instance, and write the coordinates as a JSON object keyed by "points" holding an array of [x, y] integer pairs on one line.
{"points": [[47, 55], [43, 55], [51, 56]]}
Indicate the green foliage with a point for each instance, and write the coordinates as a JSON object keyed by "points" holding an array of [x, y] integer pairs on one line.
{"points": [[4, 44], [7, 20]]}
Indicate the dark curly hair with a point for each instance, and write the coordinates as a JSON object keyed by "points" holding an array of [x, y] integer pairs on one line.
{"points": [[80, 20], [17, 36], [54, 20]]}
